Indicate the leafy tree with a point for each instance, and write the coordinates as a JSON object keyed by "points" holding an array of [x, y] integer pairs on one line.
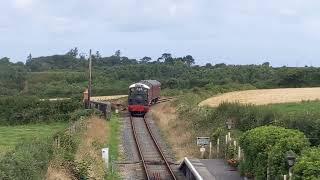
{"points": [[29, 59], [5, 60], [73, 52], [308, 165], [98, 55], [166, 56], [117, 53], [208, 65], [145, 60], [188, 60], [267, 64]]}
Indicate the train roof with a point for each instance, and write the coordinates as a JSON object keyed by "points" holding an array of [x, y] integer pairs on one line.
{"points": [[151, 82], [139, 85]]}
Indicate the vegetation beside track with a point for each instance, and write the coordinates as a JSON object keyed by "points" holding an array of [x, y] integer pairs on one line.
{"points": [[10, 136], [28, 160], [113, 141], [211, 122], [18, 110]]}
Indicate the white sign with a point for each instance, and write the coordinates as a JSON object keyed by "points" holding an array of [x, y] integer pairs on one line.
{"points": [[105, 156], [202, 149], [203, 141]]}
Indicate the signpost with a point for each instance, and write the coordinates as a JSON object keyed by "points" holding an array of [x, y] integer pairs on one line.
{"points": [[202, 142]]}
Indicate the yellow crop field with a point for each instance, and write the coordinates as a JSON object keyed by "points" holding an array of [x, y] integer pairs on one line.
{"points": [[107, 98], [265, 96]]}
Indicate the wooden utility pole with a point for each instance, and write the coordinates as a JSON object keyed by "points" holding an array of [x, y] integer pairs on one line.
{"points": [[90, 79]]}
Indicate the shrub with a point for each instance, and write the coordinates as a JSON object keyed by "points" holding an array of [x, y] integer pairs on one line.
{"points": [[267, 146], [22, 110], [29, 160], [308, 165]]}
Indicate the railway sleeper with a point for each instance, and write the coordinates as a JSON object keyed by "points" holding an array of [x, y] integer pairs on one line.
{"points": [[158, 163]]}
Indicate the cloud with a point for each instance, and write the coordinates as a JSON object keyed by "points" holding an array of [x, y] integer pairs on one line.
{"points": [[242, 30], [23, 4]]}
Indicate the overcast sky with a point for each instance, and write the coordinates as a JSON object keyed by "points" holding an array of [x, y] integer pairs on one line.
{"points": [[283, 32]]}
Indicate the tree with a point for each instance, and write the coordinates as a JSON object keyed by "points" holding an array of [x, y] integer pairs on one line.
{"points": [[220, 65], [29, 58], [5, 60], [117, 53], [145, 60], [73, 52], [82, 56], [308, 165], [166, 56], [188, 60], [267, 64], [208, 65], [98, 55]]}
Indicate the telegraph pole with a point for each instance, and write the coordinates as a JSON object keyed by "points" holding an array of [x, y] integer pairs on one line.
{"points": [[90, 79]]}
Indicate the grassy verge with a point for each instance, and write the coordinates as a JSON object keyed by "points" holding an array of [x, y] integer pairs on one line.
{"points": [[292, 108], [10, 136], [113, 144]]}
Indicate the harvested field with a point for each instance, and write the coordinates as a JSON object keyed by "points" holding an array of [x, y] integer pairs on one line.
{"points": [[107, 98], [265, 96]]}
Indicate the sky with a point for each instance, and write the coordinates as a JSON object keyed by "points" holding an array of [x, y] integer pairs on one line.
{"points": [[282, 32]]}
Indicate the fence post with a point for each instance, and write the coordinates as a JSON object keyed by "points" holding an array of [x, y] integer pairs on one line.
{"points": [[218, 144]]}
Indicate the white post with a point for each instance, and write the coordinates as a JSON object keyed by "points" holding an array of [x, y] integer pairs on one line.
{"points": [[226, 139], [239, 153], [285, 177], [105, 156], [229, 136], [90, 79], [202, 150], [218, 144], [290, 173], [210, 146]]}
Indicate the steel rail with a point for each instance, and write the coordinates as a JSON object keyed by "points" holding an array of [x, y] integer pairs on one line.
{"points": [[159, 149], [139, 148]]}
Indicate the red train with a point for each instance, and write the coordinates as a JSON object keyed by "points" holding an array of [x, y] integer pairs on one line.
{"points": [[142, 95]]}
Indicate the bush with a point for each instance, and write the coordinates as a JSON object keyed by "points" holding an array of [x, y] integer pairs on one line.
{"points": [[246, 117], [267, 146], [22, 110], [308, 165], [77, 114], [29, 160], [308, 122]]}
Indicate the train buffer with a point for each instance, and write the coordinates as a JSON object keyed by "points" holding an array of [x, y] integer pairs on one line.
{"points": [[208, 169]]}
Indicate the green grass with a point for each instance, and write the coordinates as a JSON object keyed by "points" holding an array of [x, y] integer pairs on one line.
{"points": [[10, 136], [113, 144], [292, 108]]}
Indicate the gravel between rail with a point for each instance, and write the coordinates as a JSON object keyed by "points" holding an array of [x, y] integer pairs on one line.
{"points": [[132, 168]]}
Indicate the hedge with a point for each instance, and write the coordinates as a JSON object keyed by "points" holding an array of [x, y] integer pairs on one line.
{"points": [[266, 146], [308, 165], [23, 110]]}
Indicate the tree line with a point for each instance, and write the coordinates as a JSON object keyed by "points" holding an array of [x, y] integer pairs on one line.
{"points": [[172, 72]]}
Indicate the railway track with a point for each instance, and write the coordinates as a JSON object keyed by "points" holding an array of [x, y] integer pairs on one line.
{"points": [[154, 162]]}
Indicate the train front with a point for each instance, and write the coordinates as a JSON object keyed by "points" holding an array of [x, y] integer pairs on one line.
{"points": [[138, 99]]}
